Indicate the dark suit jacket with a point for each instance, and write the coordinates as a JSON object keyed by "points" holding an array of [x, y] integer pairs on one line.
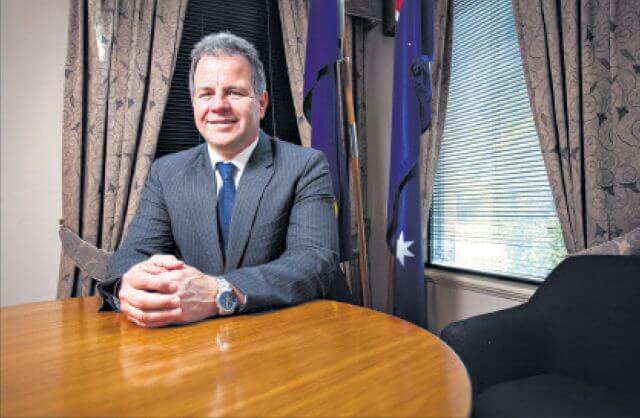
{"points": [[283, 240]]}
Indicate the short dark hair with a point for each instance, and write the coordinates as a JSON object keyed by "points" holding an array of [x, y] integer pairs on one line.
{"points": [[227, 44]]}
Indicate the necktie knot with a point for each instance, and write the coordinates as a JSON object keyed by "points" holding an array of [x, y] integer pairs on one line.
{"points": [[226, 170]]}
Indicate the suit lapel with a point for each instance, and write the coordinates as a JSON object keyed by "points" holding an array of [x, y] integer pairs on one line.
{"points": [[254, 179], [202, 200]]}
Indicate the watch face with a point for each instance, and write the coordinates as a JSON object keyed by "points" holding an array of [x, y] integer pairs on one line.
{"points": [[227, 300]]}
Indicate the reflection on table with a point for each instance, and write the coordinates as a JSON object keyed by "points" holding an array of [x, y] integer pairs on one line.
{"points": [[322, 358]]}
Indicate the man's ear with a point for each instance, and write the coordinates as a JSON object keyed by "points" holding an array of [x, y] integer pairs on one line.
{"points": [[264, 102]]}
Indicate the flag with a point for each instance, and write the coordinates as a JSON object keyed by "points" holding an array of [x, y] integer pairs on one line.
{"points": [[321, 107], [411, 117]]}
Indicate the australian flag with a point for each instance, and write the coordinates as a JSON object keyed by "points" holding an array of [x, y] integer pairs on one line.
{"points": [[411, 117], [321, 107]]}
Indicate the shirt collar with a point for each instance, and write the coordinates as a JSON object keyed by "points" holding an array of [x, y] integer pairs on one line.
{"points": [[240, 160]]}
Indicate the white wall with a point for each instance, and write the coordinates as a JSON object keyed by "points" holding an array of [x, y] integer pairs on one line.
{"points": [[378, 78], [449, 303], [33, 39]]}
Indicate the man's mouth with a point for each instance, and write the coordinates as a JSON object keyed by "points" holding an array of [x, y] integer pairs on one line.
{"points": [[221, 122]]}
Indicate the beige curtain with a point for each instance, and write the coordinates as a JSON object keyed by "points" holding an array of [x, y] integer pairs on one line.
{"points": [[120, 60], [431, 140], [582, 66], [294, 20]]}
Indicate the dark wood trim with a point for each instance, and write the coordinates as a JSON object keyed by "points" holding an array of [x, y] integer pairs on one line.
{"points": [[369, 10]]}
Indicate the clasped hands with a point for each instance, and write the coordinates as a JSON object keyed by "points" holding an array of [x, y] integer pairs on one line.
{"points": [[164, 290]]}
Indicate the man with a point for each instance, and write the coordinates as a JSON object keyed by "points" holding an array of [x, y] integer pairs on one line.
{"points": [[242, 223]]}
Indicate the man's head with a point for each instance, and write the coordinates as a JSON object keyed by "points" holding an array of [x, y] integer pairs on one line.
{"points": [[228, 92]]}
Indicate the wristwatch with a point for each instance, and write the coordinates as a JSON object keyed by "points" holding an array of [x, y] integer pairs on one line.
{"points": [[226, 299]]}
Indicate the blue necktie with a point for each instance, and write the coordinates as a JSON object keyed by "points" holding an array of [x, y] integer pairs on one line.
{"points": [[225, 200]]}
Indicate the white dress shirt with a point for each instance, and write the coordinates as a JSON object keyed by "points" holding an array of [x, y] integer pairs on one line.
{"points": [[239, 161]]}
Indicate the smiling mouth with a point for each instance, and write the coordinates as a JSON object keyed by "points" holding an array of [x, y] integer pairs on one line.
{"points": [[221, 122]]}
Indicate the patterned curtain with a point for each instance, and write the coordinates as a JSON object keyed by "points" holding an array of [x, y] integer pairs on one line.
{"points": [[120, 60], [440, 78], [582, 66], [294, 19]]}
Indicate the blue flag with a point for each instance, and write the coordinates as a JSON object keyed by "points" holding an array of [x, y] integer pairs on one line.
{"points": [[411, 117], [321, 107]]}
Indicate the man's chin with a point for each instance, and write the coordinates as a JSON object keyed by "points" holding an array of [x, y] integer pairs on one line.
{"points": [[227, 145], [221, 139], [226, 132]]}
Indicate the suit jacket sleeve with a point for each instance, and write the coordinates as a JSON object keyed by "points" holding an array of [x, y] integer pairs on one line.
{"points": [[310, 262], [149, 233]]}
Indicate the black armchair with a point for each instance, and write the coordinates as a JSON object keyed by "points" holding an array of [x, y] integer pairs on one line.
{"points": [[572, 350]]}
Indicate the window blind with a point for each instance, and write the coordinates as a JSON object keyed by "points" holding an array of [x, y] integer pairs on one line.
{"points": [[492, 209], [258, 21]]}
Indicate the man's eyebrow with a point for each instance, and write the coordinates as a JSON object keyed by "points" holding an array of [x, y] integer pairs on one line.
{"points": [[225, 88], [235, 86]]}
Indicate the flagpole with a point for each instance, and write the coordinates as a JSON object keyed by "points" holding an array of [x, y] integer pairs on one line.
{"points": [[344, 80], [355, 172], [390, 283]]}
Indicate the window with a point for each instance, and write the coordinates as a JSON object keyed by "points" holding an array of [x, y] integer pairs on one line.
{"points": [[259, 23], [492, 209]]}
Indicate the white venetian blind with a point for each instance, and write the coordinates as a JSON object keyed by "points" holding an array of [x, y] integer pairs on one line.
{"points": [[492, 208]]}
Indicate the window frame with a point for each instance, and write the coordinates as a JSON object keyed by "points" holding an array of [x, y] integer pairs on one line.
{"points": [[460, 271]]}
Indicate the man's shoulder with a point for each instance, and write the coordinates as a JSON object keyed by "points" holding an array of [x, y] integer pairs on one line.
{"points": [[288, 151], [173, 163]]}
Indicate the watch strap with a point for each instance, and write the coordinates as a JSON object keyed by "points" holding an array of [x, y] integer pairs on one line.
{"points": [[224, 286]]}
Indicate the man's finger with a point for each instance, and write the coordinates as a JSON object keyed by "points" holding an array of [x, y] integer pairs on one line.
{"points": [[144, 300], [151, 268], [166, 260], [181, 275], [174, 276], [146, 318], [148, 324], [153, 282]]}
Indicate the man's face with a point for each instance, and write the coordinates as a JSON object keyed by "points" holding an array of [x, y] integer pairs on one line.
{"points": [[225, 107]]}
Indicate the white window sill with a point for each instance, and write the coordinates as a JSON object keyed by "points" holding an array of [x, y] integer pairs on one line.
{"points": [[519, 292]]}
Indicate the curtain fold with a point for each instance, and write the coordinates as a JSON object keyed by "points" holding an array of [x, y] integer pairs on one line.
{"points": [[294, 18], [582, 68], [440, 78], [120, 60]]}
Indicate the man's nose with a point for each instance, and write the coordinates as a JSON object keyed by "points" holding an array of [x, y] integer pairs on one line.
{"points": [[218, 102]]}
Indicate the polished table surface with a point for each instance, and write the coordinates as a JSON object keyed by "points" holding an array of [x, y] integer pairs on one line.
{"points": [[321, 358]]}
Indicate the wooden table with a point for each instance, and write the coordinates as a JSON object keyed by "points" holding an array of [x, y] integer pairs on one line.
{"points": [[322, 358]]}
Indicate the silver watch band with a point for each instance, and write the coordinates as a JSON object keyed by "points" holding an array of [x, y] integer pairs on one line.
{"points": [[242, 304], [223, 286]]}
